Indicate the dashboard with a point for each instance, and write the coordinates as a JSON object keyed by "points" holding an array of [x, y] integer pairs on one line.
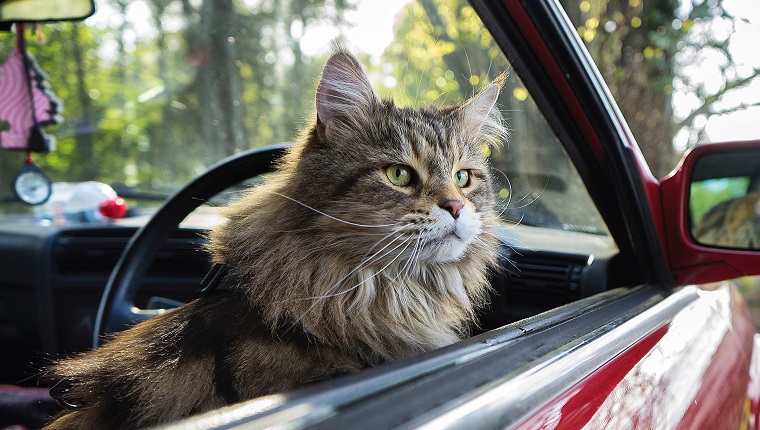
{"points": [[52, 279]]}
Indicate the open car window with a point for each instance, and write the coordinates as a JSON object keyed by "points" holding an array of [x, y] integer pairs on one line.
{"points": [[157, 92], [164, 91]]}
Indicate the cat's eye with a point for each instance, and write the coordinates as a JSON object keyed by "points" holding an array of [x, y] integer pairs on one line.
{"points": [[399, 174], [462, 178]]}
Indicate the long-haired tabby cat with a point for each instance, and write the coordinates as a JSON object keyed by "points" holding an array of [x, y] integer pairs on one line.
{"points": [[733, 224], [373, 243]]}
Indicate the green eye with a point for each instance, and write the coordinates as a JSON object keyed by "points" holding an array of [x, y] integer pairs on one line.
{"points": [[399, 174], [462, 178]]}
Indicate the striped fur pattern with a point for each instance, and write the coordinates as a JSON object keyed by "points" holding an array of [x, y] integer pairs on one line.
{"points": [[334, 267], [732, 224]]}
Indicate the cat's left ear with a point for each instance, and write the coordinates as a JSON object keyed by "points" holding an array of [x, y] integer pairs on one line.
{"points": [[343, 94], [481, 117]]}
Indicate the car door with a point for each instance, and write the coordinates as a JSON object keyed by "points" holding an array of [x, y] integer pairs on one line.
{"points": [[643, 352]]}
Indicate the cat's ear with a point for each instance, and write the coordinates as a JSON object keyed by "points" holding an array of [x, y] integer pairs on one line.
{"points": [[481, 117], [343, 91]]}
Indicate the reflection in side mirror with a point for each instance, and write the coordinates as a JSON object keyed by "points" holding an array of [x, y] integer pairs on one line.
{"points": [[724, 201]]}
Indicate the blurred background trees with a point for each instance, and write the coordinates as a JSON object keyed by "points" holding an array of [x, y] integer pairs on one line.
{"points": [[157, 90], [654, 52]]}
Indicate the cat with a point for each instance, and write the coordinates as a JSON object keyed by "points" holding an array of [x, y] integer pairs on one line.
{"points": [[733, 224], [373, 243]]}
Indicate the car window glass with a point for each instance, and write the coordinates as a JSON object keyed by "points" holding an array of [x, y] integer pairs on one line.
{"points": [[155, 92], [682, 73]]}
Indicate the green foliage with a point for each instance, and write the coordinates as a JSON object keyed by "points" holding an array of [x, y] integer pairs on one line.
{"points": [[432, 36], [643, 49], [705, 195], [153, 103]]}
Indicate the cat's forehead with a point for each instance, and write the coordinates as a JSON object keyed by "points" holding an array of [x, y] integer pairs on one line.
{"points": [[431, 134]]}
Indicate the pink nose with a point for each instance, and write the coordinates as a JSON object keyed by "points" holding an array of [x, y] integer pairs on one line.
{"points": [[453, 207]]}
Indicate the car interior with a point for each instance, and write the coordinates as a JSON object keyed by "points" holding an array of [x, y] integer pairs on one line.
{"points": [[59, 282]]}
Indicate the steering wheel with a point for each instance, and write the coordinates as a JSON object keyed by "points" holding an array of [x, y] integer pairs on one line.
{"points": [[117, 310]]}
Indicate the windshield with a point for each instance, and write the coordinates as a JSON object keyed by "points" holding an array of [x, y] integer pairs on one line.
{"points": [[154, 92]]}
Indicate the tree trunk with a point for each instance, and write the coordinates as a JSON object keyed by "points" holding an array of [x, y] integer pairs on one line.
{"points": [[218, 83], [84, 152], [639, 75]]}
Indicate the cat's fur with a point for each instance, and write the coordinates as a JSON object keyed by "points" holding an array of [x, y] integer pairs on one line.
{"points": [[333, 267], [734, 223]]}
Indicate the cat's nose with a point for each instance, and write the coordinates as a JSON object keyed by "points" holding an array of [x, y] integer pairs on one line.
{"points": [[453, 207]]}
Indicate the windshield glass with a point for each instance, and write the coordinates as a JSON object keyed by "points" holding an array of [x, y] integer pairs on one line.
{"points": [[154, 92]]}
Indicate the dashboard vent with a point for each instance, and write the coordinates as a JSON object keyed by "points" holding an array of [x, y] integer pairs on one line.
{"points": [[95, 252], [543, 280]]}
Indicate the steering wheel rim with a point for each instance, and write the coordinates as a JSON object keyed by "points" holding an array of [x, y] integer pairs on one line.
{"points": [[117, 310]]}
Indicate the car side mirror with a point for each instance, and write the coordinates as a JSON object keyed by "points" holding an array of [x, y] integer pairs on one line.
{"points": [[724, 199], [711, 213]]}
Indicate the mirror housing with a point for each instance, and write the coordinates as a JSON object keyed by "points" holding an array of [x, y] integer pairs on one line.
{"points": [[708, 179], [44, 11]]}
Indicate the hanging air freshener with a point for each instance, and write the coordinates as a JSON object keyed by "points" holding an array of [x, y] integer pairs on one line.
{"points": [[27, 106]]}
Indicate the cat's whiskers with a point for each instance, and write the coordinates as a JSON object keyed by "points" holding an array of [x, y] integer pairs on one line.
{"points": [[408, 265], [412, 257], [406, 241], [340, 244], [506, 256], [534, 198], [418, 247], [522, 244], [526, 196], [509, 191], [365, 263], [500, 253], [316, 299], [358, 267], [512, 224], [315, 228], [321, 249], [415, 255], [366, 260], [327, 215], [383, 238], [507, 206]]}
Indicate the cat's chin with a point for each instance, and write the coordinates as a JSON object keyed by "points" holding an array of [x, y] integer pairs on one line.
{"points": [[448, 240], [445, 250]]}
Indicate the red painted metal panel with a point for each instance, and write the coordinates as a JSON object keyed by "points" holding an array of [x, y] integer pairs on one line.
{"points": [[692, 373], [753, 389], [722, 396], [575, 408]]}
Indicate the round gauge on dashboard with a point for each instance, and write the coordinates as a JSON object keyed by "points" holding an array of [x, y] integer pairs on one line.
{"points": [[32, 186]]}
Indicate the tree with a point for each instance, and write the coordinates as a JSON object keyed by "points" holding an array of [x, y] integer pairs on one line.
{"points": [[156, 101], [639, 46]]}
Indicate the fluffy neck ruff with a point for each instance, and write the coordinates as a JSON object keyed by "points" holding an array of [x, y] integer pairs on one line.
{"points": [[391, 308]]}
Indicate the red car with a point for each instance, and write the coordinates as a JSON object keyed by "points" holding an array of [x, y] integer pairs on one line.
{"points": [[613, 310]]}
